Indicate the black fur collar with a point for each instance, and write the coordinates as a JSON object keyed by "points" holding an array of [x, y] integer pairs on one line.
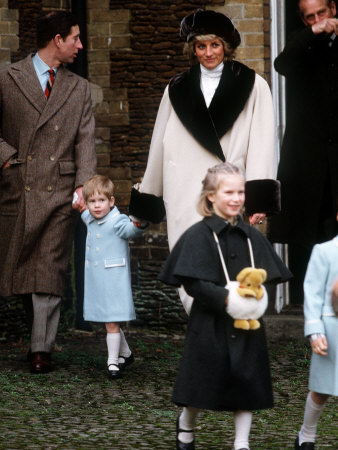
{"points": [[209, 125]]}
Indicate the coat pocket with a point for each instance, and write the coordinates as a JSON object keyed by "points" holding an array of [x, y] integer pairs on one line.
{"points": [[67, 167], [114, 262]]}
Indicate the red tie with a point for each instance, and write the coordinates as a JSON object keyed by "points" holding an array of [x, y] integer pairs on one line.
{"points": [[49, 83]]}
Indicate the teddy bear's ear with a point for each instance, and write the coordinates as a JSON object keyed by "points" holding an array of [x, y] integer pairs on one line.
{"points": [[244, 273], [263, 274]]}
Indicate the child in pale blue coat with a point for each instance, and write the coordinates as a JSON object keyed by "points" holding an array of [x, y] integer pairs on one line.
{"points": [[321, 326], [108, 295]]}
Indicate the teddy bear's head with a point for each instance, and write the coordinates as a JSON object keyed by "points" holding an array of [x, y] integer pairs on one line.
{"points": [[250, 280]]}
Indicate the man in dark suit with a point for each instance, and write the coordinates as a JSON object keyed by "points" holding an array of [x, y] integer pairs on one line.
{"points": [[47, 152], [308, 168]]}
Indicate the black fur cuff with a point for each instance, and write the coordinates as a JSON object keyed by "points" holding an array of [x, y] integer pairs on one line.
{"points": [[262, 196], [146, 206]]}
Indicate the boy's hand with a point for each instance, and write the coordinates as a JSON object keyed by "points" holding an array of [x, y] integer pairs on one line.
{"points": [[319, 346], [79, 203]]}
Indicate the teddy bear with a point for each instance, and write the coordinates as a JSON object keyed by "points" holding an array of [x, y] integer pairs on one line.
{"points": [[247, 300]]}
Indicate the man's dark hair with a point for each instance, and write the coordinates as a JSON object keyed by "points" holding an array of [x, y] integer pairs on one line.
{"points": [[53, 23]]}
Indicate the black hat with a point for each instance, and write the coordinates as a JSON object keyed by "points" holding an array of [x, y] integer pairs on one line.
{"points": [[209, 22]]}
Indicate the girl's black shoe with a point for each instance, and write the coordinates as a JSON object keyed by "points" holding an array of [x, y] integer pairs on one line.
{"points": [[181, 445]]}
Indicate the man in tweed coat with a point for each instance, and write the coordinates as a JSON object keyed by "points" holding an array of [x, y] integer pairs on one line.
{"points": [[47, 152]]}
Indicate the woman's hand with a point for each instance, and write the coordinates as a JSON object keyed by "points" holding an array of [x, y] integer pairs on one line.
{"points": [[257, 218], [319, 346]]}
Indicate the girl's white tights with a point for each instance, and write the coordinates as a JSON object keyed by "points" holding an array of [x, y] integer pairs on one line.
{"points": [[113, 345], [187, 421], [243, 421], [311, 416]]}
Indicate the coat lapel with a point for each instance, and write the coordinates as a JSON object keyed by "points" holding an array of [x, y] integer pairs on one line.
{"points": [[27, 81], [208, 126], [64, 84], [24, 75]]}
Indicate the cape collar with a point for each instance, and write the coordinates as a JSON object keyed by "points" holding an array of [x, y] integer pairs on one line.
{"points": [[209, 125], [217, 224]]}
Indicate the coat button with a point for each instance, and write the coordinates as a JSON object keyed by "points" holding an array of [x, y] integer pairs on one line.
{"points": [[52, 158], [97, 249], [96, 263], [27, 188], [233, 336], [98, 236], [49, 188], [233, 255], [29, 157], [56, 128]]}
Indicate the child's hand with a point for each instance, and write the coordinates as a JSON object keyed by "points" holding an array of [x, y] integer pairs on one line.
{"points": [[78, 200], [319, 346]]}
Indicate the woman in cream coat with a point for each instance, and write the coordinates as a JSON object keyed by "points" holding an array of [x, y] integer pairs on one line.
{"points": [[219, 110]]}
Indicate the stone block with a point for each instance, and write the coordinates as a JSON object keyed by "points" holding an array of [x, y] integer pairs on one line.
{"points": [[103, 81], [252, 25], [102, 134], [103, 160], [99, 69], [118, 42], [232, 11], [97, 55], [3, 3], [118, 107], [14, 27], [116, 173], [11, 42], [99, 42], [104, 120], [250, 53], [253, 39], [98, 29], [4, 28], [95, 4], [115, 94], [110, 16], [116, 29], [9, 14], [254, 11], [103, 148]]}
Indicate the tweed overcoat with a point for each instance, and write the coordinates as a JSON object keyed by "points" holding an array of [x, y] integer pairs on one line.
{"points": [[50, 145], [108, 295], [321, 273], [222, 368], [189, 138], [308, 168]]}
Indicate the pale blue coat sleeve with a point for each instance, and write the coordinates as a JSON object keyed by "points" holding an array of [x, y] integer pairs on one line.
{"points": [[314, 291]]}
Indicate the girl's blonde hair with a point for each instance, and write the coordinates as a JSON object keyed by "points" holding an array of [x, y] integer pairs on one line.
{"points": [[189, 47], [100, 184], [211, 183]]}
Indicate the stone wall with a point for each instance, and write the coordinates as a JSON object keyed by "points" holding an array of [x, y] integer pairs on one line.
{"points": [[133, 50]]}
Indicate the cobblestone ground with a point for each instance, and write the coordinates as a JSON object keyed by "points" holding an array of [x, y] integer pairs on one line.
{"points": [[77, 407]]}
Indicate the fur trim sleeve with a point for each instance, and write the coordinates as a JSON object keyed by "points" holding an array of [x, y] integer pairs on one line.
{"points": [[146, 206], [262, 196]]}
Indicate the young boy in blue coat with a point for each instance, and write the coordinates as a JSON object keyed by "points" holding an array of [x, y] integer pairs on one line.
{"points": [[321, 326], [108, 295]]}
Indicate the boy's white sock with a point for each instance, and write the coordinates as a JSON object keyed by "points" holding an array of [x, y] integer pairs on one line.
{"points": [[124, 347], [311, 416], [113, 345], [243, 421], [187, 421]]}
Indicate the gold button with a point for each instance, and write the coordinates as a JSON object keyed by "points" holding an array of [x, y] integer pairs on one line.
{"points": [[27, 188], [56, 127], [29, 157], [52, 158], [49, 188]]}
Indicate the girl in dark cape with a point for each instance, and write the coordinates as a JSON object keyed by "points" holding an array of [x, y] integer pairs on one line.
{"points": [[222, 368]]}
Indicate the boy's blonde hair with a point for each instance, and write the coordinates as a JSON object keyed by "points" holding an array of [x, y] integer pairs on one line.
{"points": [[100, 184], [189, 47], [211, 183]]}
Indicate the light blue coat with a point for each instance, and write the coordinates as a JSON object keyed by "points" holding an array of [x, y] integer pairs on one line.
{"points": [[321, 273], [108, 295]]}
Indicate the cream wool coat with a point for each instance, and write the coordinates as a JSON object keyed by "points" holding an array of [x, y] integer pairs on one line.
{"points": [[178, 162]]}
